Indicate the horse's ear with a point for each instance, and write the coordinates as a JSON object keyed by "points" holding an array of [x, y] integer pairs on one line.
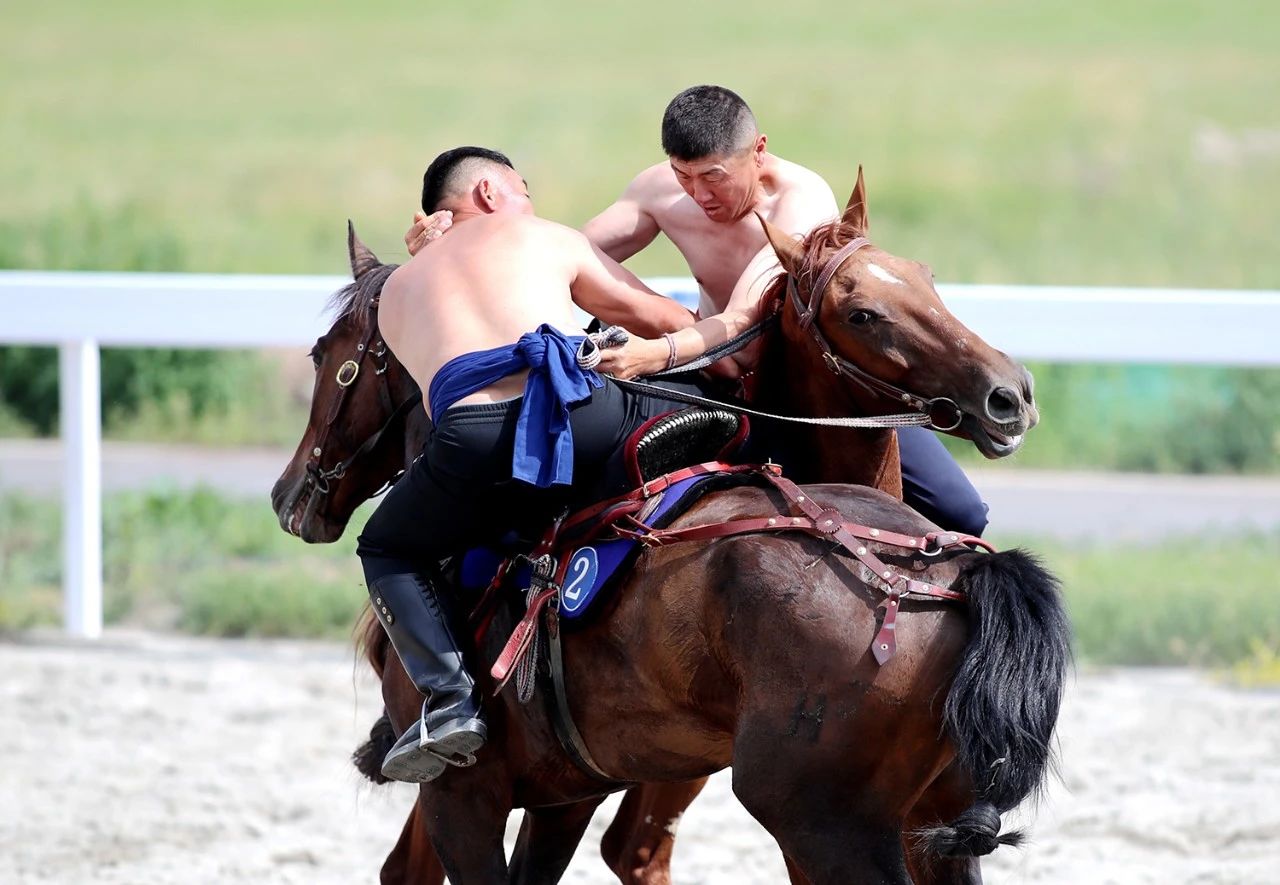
{"points": [[790, 253], [362, 258], [855, 212]]}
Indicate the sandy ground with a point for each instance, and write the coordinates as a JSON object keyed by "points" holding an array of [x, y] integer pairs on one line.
{"points": [[145, 759]]}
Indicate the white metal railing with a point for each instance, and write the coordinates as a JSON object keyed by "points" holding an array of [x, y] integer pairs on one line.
{"points": [[80, 312]]}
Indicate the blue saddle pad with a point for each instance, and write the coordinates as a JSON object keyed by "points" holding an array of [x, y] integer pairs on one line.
{"points": [[590, 566]]}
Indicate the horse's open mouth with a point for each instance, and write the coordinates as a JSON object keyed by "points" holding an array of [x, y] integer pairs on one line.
{"points": [[295, 510], [995, 442]]}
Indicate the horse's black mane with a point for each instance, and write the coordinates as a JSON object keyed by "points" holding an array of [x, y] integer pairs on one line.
{"points": [[355, 299]]}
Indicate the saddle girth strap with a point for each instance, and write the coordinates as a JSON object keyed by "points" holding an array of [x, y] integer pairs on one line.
{"points": [[561, 716]]}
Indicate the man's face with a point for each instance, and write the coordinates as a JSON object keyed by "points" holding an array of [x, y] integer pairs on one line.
{"points": [[723, 186]]}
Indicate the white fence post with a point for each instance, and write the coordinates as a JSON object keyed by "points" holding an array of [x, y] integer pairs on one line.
{"points": [[79, 393]]}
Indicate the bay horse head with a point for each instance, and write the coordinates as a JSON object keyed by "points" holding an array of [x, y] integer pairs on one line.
{"points": [[356, 436], [876, 320]]}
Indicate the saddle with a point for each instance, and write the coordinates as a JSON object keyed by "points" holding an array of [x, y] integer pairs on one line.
{"points": [[654, 461]]}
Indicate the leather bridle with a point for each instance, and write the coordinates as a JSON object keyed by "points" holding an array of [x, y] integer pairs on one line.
{"points": [[808, 314], [321, 480]]}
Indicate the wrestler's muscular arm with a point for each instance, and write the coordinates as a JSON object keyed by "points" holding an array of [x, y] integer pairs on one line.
{"points": [[626, 227], [804, 206], [606, 289], [808, 203]]}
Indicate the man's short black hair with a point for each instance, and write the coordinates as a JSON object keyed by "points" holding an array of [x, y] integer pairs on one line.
{"points": [[444, 174], [705, 121]]}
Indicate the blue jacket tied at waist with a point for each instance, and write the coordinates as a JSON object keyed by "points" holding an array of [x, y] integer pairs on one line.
{"points": [[543, 453]]}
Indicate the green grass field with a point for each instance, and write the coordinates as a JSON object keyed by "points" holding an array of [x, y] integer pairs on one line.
{"points": [[1087, 142]]}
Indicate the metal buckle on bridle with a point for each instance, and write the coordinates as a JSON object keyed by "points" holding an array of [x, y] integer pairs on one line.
{"points": [[353, 367], [943, 400], [832, 361], [318, 477]]}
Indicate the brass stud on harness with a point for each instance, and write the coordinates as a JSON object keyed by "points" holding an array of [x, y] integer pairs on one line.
{"points": [[875, 533], [772, 521], [315, 452], [862, 551]]}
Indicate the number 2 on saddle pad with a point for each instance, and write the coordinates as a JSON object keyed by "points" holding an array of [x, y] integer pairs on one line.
{"points": [[589, 569], [580, 580]]}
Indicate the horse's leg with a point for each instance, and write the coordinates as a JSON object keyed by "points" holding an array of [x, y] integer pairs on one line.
{"points": [[942, 801], [548, 839], [794, 873], [467, 812], [638, 844], [831, 760], [413, 861], [827, 783]]}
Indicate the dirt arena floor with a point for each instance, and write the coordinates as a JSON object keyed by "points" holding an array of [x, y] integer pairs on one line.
{"points": [[144, 759]]}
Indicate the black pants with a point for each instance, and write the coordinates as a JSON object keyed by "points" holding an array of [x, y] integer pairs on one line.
{"points": [[934, 484], [459, 492]]}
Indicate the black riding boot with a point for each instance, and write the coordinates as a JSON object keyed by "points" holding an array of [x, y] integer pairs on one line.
{"points": [[450, 729]]}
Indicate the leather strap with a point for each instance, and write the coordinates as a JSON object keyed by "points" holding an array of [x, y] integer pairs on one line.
{"points": [[809, 313], [854, 537], [885, 644], [521, 637], [561, 717]]}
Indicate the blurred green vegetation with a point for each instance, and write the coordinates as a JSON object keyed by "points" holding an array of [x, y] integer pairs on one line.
{"points": [[1211, 602], [201, 563], [193, 561], [1122, 142], [1181, 419], [174, 395]]}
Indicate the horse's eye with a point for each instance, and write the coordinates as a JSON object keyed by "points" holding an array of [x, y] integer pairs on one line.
{"points": [[315, 357], [862, 317]]}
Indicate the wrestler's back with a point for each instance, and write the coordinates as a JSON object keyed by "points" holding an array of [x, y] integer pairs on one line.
{"points": [[492, 279]]}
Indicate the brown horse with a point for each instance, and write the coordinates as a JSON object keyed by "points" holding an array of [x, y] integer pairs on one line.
{"points": [[995, 398]]}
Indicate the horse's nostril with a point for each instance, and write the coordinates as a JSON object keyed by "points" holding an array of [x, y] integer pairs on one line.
{"points": [[1003, 404]]}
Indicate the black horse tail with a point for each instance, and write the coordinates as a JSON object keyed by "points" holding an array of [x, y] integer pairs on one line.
{"points": [[1003, 705], [373, 643], [368, 756]]}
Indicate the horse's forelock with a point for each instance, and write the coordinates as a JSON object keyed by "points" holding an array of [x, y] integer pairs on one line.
{"points": [[820, 243], [355, 299]]}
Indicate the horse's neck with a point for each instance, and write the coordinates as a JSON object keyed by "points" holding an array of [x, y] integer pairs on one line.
{"points": [[793, 382]]}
